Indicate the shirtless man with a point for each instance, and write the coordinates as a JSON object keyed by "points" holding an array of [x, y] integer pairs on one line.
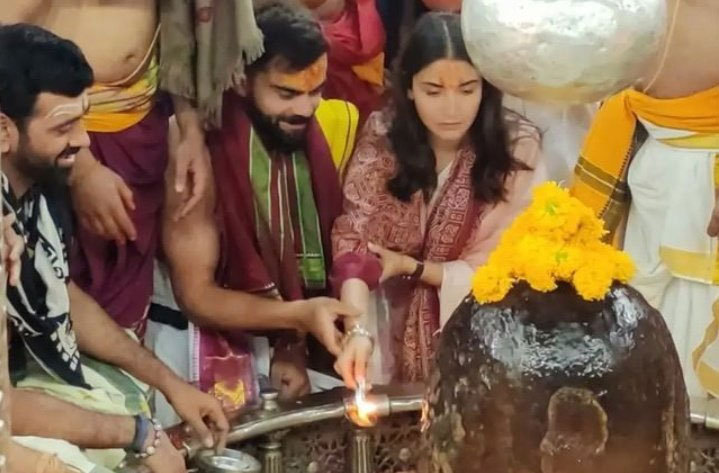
{"points": [[653, 176], [117, 184]]}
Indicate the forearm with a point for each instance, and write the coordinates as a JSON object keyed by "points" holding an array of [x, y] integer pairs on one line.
{"points": [[100, 337], [31, 412], [209, 305], [188, 119], [355, 292]]}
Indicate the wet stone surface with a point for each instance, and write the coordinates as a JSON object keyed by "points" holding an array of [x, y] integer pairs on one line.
{"points": [[550, 383]]}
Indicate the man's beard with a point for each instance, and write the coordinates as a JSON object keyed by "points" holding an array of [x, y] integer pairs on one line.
{"points": [[273, 137], [43, 173]]}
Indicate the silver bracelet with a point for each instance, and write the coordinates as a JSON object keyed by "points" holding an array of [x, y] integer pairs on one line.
{"points": [[355, 331]]}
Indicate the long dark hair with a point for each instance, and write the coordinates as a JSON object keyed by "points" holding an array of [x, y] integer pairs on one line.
{"points": [[438, 36]]}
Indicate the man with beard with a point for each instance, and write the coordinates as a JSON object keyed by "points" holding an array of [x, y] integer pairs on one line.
{"points": [[70, 363], [276, 195], [117, 182]]}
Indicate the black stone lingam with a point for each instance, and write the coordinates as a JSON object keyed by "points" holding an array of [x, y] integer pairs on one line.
{"points": [[551, 383]]}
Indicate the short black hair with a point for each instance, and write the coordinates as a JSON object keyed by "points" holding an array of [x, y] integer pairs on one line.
{"points": [[291, 34], [34, 60]]}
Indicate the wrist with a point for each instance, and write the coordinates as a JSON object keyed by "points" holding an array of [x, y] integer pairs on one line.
{"points": [[84, 164], [127, 431], [168, 384], [298, 315], [409, 265]]}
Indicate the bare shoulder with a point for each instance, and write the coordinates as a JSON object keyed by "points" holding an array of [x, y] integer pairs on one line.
{"points": [[22, 11]]}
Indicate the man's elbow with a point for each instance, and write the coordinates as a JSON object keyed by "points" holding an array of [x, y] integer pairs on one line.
{"points": [[195, 304]]}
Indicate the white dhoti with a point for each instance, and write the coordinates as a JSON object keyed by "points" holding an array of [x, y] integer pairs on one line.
{"points": [[673, 181]]}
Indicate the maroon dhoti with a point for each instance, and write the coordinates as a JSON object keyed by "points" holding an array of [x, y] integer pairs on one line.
{"points": [[118, 277]]}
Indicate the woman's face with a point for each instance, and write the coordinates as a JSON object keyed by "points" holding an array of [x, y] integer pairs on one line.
{"points": [[447, 94]]}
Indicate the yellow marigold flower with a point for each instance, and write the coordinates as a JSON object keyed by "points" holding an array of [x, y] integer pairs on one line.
{"points": [[556, 238], [592, 281], [490, 284], [624, 268]]}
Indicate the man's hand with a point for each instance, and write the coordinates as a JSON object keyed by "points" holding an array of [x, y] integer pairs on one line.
{"points": [[12, 250], [319, 320], [288, 373], [167, 459], [713, 229], [202, 412], [102, 201], [192, 170], [352, 363]]}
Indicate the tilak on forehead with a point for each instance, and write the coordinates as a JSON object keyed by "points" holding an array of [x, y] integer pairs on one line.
{"points": [[306, 80], [451, 74], [76, 107]]}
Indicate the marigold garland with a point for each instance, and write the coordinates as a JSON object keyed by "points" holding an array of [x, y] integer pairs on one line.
{"points": [[557, 238]]}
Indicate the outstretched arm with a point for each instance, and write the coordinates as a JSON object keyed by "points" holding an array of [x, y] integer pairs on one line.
{"points": [[191, 246]]}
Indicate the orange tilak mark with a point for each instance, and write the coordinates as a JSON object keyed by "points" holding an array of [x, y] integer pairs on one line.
{"points": [[306, 80]]}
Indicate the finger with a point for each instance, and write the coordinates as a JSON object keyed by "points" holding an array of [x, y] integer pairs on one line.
{"points": [[343, 366], [182, 164], [112, 231], [202, 430], [125, 224], [191, 202], [345, 310], [128, 199], [15, 270], [221, 425], [376, 249], [360, 366], [15, 262], [87, 224], [16, 247], [97, 227], [331, 341]]}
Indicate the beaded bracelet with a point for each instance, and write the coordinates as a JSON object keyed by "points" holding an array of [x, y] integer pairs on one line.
{"points": [[152, 448]]}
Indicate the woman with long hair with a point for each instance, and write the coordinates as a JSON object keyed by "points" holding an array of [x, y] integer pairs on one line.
{"points": [[435, 179]]}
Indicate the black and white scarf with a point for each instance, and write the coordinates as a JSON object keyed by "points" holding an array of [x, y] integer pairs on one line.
{"points": [[39, 307]]}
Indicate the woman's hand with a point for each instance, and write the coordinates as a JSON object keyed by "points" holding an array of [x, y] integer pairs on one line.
{"points": [[393, 263]]}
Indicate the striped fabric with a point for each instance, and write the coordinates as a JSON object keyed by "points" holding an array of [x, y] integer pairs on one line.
{"points": [[600, 177]]}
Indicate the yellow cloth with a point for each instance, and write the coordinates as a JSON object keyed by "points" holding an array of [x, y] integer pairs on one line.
{"points": [[115, 108], [678, 264], [372, 71], [338, 120], [600, 175]]}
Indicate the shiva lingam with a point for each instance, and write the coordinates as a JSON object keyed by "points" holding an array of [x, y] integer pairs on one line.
{"points": [[553, 364]]}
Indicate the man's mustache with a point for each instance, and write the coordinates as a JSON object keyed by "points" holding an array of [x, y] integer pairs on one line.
{"points": [[68, 152], [296, 120]]}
